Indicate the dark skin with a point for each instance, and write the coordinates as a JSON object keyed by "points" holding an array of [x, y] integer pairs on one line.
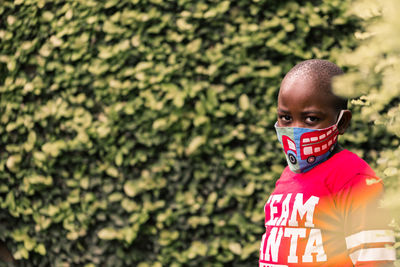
{"points": [[301, 103], [5, 254]]}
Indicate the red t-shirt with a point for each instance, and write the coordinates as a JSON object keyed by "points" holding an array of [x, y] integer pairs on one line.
{"points": [[328, 216]]}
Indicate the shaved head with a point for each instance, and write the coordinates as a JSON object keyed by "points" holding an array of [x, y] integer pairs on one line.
{"points": [[320, 72]]}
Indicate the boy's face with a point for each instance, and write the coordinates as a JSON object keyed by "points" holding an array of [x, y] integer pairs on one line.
{"points": [[302, 104]]}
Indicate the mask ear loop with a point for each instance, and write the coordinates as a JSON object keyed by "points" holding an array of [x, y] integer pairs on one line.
{"points": [[340, 117]]}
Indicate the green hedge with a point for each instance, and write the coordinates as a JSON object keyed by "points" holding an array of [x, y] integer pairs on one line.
{"points": [[141, 132], [374, 82]]}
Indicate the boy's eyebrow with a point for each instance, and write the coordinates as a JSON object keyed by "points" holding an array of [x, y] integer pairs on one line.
{"points": [[318, 112], [283, 110]]}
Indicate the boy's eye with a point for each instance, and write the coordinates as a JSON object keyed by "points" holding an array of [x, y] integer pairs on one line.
{"points": [[285, 118], [312, 119]]}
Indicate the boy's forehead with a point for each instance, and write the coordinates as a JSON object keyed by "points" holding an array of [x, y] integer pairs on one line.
{"points": [[305, 90], [298, 85]]}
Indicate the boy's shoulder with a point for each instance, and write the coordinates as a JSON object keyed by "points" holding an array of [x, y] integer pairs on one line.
{"points": [[349, 162], [347, 169], [343, 169]]}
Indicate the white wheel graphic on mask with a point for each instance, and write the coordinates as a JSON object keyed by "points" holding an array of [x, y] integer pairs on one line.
{"points": [[292, 157], [311, 159]]}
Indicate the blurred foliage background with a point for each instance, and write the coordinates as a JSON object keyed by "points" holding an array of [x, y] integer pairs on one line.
{"points": [[373, 82], [140, 133]]}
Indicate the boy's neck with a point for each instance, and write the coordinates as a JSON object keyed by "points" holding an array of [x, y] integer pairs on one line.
{"points": [[337, 149]]}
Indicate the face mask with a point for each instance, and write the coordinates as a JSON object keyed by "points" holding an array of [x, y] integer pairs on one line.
{"points": [[305, 148]]}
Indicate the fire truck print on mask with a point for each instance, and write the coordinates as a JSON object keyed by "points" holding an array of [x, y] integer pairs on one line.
{"points": [[305, 148]]}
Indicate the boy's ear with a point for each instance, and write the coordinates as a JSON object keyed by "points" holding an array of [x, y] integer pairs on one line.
{"points": [[344, 121]]}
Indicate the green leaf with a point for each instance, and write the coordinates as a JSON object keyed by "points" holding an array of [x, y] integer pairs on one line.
{"points": [[107, 234], [130, 188], [244, 102], [195, 144], [235, 247]]}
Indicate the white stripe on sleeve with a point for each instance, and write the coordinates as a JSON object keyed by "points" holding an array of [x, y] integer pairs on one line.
{"points": [[373, 254], [369, 236]]}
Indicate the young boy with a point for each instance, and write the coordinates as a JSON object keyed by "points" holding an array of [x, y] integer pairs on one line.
{"points": [[324, 210]]}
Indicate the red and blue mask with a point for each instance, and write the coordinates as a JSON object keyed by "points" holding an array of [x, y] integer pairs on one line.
{"points": [[305, 148]]}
